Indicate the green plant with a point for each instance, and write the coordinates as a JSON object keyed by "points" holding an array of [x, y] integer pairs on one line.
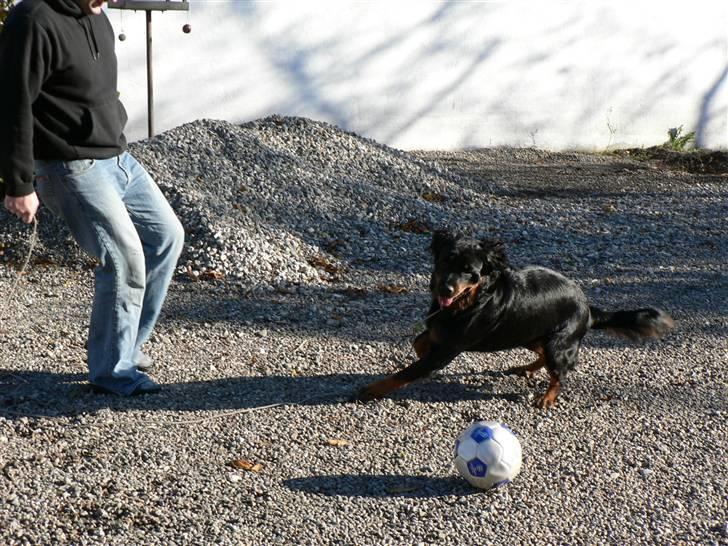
{"points": [[5, 6], [677, 141]]}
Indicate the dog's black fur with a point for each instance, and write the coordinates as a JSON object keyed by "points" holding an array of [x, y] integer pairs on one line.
{"points": [[480, 303]]}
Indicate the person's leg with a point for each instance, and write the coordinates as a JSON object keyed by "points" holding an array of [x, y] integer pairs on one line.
{"points": [[88, 195], [162, 238]]}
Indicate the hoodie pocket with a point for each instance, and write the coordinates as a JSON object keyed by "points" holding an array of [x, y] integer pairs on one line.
{"points": [[104, 124]]}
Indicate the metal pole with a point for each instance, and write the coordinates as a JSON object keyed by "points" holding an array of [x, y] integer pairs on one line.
{"points": [[150, 86], [148, 6]]}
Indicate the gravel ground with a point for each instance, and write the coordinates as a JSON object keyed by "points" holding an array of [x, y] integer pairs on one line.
{"points": [[305, 270]]}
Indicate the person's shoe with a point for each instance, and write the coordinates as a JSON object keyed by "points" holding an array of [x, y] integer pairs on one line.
{"points": [[146, 387], [144, 363]]}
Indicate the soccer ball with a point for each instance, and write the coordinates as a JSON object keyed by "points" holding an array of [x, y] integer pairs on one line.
{"points": [[488, 454]]}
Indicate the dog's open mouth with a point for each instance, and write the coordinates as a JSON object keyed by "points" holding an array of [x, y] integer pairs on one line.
{"points": [[446, 302]]}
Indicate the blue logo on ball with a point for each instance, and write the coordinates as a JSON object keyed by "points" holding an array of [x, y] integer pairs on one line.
{"points": [[481, 434], [477, 468]]}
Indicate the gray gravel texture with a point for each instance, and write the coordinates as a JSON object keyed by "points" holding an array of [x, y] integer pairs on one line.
{"points": [[306, 269]]}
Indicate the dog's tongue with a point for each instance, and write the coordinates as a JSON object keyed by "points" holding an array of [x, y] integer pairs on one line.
{"points": [[445, 302]]}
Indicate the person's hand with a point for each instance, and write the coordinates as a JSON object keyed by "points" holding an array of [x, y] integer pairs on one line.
{"points": [[23, 207]]}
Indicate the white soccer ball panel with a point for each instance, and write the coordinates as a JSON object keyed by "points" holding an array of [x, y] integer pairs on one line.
{"points": [[467, 449], [512, 453], [507, 439], [499, 472], [490, 451]]}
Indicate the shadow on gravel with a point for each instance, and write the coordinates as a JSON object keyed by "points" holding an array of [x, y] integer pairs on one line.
{"points": [[363, 316], [367, 485], [45, 394]]}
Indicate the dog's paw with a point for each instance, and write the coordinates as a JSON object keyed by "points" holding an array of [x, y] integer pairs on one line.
{"points": [[545, 402], [379, 389], [365, 394]]}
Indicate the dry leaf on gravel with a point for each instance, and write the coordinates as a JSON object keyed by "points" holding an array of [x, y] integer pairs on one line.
{"points": [[322, 263], [212, 275], [392, 289], [413, 226], [242, 464], [354, 292], [434, 197]]}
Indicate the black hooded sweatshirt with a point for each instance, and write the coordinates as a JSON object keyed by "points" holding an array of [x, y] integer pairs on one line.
{"points": [[58, 96]]}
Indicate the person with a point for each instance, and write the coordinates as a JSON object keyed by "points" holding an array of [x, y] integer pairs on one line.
{"points": [[61, 135]]}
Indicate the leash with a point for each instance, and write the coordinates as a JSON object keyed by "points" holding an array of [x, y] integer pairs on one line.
{"points": [[322, 397], [19, 274], [31, 247]]}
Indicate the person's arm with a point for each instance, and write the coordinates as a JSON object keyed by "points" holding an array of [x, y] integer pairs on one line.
{"points": [[24, 60]]}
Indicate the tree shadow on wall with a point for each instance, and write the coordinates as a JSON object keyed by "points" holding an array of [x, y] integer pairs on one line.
{"points": [[706, 105]]}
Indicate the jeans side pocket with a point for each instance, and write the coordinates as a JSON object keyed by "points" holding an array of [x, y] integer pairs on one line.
{"points": [[46, 191], [79, 166]]}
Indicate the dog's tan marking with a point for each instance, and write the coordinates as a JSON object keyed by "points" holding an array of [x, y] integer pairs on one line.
{"points": [[529, 371], [548, 400]]}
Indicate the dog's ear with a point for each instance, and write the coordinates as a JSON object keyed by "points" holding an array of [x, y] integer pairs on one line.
{"points": [[441, 238], [494, 254]]}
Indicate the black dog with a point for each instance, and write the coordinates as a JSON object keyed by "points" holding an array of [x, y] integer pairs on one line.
{"points": [[480, 303]]}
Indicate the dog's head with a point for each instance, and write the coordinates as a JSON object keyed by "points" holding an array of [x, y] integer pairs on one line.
{"points": [[462, 266]]}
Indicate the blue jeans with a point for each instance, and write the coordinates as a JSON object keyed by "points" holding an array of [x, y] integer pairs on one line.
{"points": [[117, 214]]}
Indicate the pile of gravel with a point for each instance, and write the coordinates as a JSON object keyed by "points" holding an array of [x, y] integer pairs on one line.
{"points": [[263, 201], [283, 201], [309, 245]]}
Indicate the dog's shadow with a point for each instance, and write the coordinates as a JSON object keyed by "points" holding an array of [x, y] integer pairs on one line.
{"points": [[380, 486], [47, 394]]}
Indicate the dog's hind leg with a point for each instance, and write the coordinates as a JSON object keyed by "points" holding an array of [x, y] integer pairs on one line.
{"points": [[560, 355]]}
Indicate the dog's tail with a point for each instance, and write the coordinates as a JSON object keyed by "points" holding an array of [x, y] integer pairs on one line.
{"points": [[636, 324]]}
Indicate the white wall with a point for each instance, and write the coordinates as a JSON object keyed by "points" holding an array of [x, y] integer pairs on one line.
{"points": [[425, 74]]}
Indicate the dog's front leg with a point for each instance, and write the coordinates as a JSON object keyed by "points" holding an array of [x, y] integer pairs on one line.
{"points": [[435, 359], [422, 344]]}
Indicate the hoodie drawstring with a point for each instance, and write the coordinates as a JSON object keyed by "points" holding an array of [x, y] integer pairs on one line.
{"points": [[88, 29]]}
